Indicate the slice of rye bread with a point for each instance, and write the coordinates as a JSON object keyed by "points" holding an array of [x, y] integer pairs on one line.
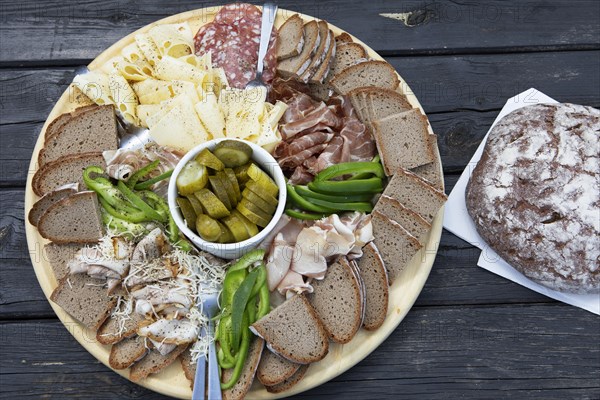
{"points": [[243, 384], [189, 369], [93, 130], [291, 38], [403, 141], [126, 352], [346, 55], [319, 75], [382, 103], [154, 362], [65, 170], [432, 172], [295, 66], [319, 91], [416, 194], [374, 275], [58, 255], [110, 332], [320, 52], [59, 121], [362, 287], [359, 103], [294, 331], [85, 299], [396, 245], [274, 369], [289, 382], [74, 219], [40, 206], [414, 223], [337, 301], [368, 73], [343, 38]]}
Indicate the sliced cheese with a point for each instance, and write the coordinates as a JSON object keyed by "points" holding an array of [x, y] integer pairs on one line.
{"points": [[173, 40], [270, 135], [148, 48], [215, 81], [210, 114], [153, 91], [146, 110], [135, 71], [243, 110], [111, 65], [180, 128], [132, 53], [124, 97], [168, 105], [95, 86], [170, 68]]}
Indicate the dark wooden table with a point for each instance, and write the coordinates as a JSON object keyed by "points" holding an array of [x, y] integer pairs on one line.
{"points": [[471, 334]]}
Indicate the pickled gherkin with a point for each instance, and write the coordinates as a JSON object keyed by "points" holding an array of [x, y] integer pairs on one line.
{"points": [[263, 180], [211, 203], [263, 204], [209, 160], [218, 188], [233, 200], [208, 228], [189, 215], [192, 178], [233, 153]]}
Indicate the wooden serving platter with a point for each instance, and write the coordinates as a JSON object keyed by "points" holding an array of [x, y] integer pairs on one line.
{"points": [[172, 381]]}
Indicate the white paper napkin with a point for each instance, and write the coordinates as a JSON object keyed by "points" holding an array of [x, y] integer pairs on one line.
{"points": [[458, 221]]}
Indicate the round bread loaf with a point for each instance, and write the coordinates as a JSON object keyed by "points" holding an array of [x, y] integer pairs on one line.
{"points": [[534, 195]]}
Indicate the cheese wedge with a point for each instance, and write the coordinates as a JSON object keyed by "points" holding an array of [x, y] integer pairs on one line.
{"points": [[173, 40], [210, 114], [170, 68], [148, 48], [95, 86], [243, 110], [124, 97]]}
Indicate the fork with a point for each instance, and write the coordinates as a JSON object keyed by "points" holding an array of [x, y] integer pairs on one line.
{"points": [[131, 136], [269, 11], [210, 307]]}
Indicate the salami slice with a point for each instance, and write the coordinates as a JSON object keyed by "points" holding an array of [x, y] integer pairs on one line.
{"points": [[233, 40]]}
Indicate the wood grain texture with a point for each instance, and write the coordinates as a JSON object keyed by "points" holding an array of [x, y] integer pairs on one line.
{"points": [[442, 352], [56, 29]]}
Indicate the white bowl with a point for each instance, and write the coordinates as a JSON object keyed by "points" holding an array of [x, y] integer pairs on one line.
{"points": [[229, 250]]}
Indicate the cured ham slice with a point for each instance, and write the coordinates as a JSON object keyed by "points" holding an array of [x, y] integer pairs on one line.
{"points": [[175, 331]]}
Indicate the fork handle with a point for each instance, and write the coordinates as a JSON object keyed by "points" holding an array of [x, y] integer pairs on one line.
{"points": [[214, 380], [199, 385], [269, 12]]}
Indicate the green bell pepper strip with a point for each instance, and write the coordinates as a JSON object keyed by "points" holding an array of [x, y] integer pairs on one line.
{"points": [[232, 281], [184, 245], [365, 175], [226, 359], [134, 217], [147, 184], [342, 198], [304, 215], [238, 307], [105, 189], [240, 358], [264, 305], [139, 174], [138, 202], [121, 225], [261, 279], [370, 185], [162, 207], [304, 204], [247, 260], [351, 206], [352, 168], [251, 310]]}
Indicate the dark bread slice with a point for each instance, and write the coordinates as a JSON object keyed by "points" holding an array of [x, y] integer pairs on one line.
{"points": [[154, 362], [343, 38], [111, 333], [126, 352], [319, 91], [242, 386], [385, 102], [290, 382], [362, 287], [325, 43], [65, 170], [368, 73], [403, 141], [56, 124], [346, 55], [42, 205], [274, 369], [291, 38], [410, 220], [189, 369], [75, 219], [359, 103], [322, 71], [294, 331], [92, 130], [85, 299], [416, 194], [396, 245], [374, 275], [60, 121], [432, 172], [338, 302], [58, 255], [295, 66]]}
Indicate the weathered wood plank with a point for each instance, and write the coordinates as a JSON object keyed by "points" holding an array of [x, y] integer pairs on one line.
{"points": [[548, 351], [474, 86], [57, 31]]}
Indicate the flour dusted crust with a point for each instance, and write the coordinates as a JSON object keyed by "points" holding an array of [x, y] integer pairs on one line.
{"points": [[534, 195]]}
